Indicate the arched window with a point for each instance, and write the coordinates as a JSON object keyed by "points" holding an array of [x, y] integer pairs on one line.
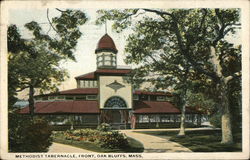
{"points": [[115, 103]]}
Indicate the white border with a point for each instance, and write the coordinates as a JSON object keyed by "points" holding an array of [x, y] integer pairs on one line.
{"points": [[243, 4]]}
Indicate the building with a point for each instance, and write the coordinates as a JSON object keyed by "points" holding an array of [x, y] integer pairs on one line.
{"points": [[106, 95]]}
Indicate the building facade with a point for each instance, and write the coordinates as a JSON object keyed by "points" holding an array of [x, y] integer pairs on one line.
{"points": [[107, 96]]}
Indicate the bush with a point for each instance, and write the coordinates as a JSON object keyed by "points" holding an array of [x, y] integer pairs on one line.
{"points": [[104, 127], [28, 135], [113, 139]]}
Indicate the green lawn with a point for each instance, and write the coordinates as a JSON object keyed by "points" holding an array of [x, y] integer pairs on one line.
{"points": [[202, 140], [134, 145]]}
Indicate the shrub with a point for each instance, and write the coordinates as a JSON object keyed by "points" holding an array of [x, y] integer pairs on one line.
{"points": [[104, 127], [28, 135], [82, 134], [113, 139], [89, 132], [109, 139]]}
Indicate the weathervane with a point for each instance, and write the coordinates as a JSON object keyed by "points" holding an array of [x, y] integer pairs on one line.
{"points": [[105, 27]]}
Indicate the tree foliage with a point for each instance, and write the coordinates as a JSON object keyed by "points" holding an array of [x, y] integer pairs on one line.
{"points": [[34, 62], [165, 43]]}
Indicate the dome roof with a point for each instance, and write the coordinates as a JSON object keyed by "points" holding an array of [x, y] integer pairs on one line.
{"points": [[106, 43]]}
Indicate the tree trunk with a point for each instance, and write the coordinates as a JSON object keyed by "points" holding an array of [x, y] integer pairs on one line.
{"points": [[182, 125], [31, 100], [227, 136]]}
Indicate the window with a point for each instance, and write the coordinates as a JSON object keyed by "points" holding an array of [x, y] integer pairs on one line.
{"points": [[135, 97], [161, 98], [91, 84], [167, 118], [107, 63], [143, 119], [152, 98], [95, 83], [52, 98], [144, 97], [99, 58], [38, 98], [91, 97], [107, 58], [45, 98], [115, 102], [99, 63], [78, 83], [60, 97], [69, 98], [80, 98], [157, 118], [152, 118], [169, 98]]}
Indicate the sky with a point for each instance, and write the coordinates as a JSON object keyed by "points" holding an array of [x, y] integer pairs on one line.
{"points": [[85, 50]]}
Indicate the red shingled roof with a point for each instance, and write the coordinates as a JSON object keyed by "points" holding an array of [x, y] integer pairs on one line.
{"points": [[80, 91], [152, 93], [90, 107], [154, 107], [87, 76], [106, 43]]}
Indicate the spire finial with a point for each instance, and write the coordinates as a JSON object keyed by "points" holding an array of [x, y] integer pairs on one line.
{"points": [[105, 27]]}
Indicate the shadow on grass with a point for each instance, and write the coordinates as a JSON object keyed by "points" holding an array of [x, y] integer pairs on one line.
{"points": [[202, 140]]}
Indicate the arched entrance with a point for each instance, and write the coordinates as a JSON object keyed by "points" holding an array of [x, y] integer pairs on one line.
{"points": [[115, 102], [115, 112]]}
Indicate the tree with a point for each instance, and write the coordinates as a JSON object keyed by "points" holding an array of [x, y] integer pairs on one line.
{"points": [[27, 134], [196, 35], [35, 62]]}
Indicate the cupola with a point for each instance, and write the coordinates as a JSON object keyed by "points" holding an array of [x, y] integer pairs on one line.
{"points": [[106, 52]]}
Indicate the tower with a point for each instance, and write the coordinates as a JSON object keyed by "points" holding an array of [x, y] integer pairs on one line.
{"points": [[106, 53]]}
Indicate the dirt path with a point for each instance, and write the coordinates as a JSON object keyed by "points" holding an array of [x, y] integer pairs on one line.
{"points": [[156, 144], [62, 148]]}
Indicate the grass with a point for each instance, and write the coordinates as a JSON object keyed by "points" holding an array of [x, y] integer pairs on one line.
{"points": [[134, 145], [202, 140]]}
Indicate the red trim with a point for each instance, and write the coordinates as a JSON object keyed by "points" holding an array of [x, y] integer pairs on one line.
{"points": [[152, 93], [76, 91], [113, 71]]}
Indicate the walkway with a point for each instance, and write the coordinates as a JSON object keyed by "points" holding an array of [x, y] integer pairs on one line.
{"points": [[156, 144], [62, 148]]}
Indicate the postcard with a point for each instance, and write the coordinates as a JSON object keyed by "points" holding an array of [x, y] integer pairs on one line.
{"points": [[124, 79]]}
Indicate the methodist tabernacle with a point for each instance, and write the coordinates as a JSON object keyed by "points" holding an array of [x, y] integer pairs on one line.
{"points": [[107, 96]]}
